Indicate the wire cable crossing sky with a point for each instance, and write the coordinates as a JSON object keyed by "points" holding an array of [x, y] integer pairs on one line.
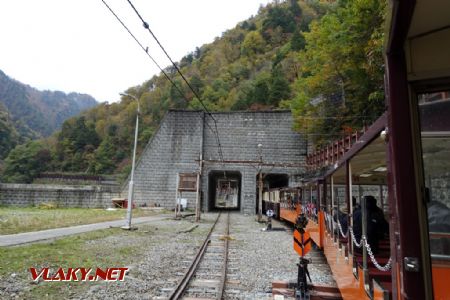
{"points": [[146, 26], [216, 132], [75, 46]]}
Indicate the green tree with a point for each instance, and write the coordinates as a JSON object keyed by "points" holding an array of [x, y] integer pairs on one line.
{"points": [[26, 162], [253, 44], [76, 143], [252, 66], [342, 67], [278, 16], [104, 157], [295, 9], [297, 41], [261, 89], [8, 134], [176, 98], [279, 87]]}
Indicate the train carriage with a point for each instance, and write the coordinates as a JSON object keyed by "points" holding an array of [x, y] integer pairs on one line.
{"points": [[418, 77], [403, 160]]}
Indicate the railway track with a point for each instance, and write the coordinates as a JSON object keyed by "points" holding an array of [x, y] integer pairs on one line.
{"points": [[205, 277]]}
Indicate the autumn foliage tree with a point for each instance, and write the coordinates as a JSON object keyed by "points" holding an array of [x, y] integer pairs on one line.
{"points": [[322, 59], [341, 83]]}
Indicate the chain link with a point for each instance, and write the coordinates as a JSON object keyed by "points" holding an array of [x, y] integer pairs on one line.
{"points": [[384, 268], [359, 245], [328, 217], [341, 231], [362, 242]]}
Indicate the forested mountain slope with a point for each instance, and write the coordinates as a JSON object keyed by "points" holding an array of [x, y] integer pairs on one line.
{"points": [[322, 59], [35, 113]]}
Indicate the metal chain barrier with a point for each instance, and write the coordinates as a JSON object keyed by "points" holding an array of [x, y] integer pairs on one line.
{"points": [[331, 222], [361, 242], [328, 218], [384, 268], [341, 231]]}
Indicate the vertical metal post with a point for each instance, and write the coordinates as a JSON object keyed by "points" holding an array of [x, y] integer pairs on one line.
{"points": [[176, 196], [350, 207], [364, 234], [200, 171], [260, 184], [131, 183], [324, 197], [318, 195], [332, 207], [338, 206], [260, 197], [197, 200], [381, 198], [360, 191]]}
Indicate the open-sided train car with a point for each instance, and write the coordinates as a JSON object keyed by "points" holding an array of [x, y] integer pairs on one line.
{"points": [[403, 160]]}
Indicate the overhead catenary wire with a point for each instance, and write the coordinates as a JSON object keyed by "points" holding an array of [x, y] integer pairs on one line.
{"points": [[146, 26], [145, 49]]}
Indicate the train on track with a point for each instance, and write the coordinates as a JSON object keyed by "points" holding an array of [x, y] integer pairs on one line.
{"points": [[402, 160]]}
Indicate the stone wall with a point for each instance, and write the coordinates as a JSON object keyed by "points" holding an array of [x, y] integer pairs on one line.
{"points": [[440, 189], [184, 135], [240, 134], [174, 149], [62, 195]]}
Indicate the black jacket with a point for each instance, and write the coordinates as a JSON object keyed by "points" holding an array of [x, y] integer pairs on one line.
{"points": [[377, 226]]}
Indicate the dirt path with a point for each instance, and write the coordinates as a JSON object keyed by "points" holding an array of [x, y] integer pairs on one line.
{"points": [[35, 236]]}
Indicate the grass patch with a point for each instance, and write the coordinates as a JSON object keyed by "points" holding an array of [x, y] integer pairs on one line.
{"points": [[91, 250], [66, 252], [16, 220]]}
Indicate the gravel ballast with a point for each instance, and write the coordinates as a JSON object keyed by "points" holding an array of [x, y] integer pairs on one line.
{"points": [[163, 249]]}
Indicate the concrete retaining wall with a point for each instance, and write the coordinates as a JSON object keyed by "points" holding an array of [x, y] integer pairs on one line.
{"points": [[184, 135], [62, 195]]}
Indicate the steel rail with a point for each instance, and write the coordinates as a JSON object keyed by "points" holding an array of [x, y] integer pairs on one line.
{"points": [[181, 287], [225, 261]]}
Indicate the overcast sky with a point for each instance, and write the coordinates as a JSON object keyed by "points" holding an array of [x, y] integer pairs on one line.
{"points": [[78, 45]]}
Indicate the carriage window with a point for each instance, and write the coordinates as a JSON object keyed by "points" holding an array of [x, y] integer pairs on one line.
{"points": [[434, 112]]}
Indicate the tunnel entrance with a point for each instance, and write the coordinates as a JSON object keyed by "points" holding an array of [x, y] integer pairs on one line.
{"points": [[224, 190], [270, 181]]}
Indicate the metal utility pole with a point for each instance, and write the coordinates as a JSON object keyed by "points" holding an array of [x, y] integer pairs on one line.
{"points": [[177, 198], [260, 184], [197, 200], [131, 183]]}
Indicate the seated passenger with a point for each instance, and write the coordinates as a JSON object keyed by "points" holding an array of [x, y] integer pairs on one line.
{"points": [[343, 215], [438, 217], [377, 226], [439, 222]]}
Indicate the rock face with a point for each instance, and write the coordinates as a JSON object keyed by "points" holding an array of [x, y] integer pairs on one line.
{"points": [[185, 135], [39, 113]]}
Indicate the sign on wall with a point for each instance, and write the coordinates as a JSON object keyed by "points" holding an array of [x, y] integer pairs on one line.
{"points": [[187, 182]]}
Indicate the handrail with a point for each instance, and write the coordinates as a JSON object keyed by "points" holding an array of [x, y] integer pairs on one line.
{"points": [[440, 257], [437, 235]]}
